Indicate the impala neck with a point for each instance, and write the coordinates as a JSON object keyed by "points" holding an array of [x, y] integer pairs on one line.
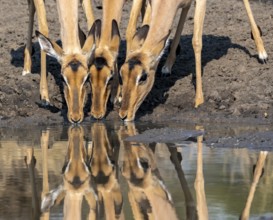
{"points": [[68, 17], [112, 10], [162, 16]]}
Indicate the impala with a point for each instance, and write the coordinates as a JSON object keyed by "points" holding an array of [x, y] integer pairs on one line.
{"points": [[103, 70], [147, 45], [76, 180], [73, 59], [39, 7]]}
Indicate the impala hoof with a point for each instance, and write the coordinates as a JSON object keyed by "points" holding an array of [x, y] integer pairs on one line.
{"points": [[165, 71], [45, 103], [263, 57], [25, 72], [199, 101]]}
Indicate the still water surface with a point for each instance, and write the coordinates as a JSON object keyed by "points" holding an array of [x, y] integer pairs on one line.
{"points": [[92, 172]]}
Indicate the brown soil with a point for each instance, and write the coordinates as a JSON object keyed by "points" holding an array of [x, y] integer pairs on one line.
{"points": [[236, 85]]}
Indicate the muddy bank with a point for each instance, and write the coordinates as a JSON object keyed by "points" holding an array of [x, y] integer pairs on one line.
{"points": [[236, 86]]}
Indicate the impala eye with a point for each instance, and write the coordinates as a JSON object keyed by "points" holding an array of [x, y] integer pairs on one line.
{"points": [[143, 78]]}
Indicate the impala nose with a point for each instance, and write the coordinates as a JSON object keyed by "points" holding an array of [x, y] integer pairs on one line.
{"points": [[123, 118], [75, 121], [76, 182], [75, 118], [97, 115]]}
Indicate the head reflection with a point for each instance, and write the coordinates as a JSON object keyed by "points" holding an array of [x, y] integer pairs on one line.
{"points": [[103, 170], [76, 179], [148, 196]]}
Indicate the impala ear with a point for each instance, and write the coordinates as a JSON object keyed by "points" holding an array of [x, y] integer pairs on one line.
{"points": [[115, 37], [118, 202], [53, 197], [138, 38], [51, 48], [98, 31], [89, 45]]}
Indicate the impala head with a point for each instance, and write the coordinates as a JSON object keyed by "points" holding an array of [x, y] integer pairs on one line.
{"points": [[74, 70], [76, 169], [102, 161], [138, 73], [103, 69], [76, 172]]}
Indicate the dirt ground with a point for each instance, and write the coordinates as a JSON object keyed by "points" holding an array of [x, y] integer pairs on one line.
{"points": [[236, 86]]}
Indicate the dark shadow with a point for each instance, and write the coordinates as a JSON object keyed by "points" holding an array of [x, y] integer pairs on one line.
{"points": [[214, 47], [260, 1]]}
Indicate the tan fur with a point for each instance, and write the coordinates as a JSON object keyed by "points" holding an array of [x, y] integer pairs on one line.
{"points": [[72, 58], [76, 180], [107, 46], [199, 184], [148, 196], [104, 172], [132, 23], [68, 17], [148, 54], [30, 163], [134, 94], [160, 18], [70, 38]]}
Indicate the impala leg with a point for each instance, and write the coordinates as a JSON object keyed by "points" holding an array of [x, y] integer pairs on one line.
{"points": [[167, 68], [199, 184], [87, 7], [44, 146], [30, 162], [199, 16], [256, 33], [43, 28], [257, 174], [189, 201], [28, 48], [131, 28]]}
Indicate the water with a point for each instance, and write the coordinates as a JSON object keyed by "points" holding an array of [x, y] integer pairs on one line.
{"points": [[92, 172]]}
